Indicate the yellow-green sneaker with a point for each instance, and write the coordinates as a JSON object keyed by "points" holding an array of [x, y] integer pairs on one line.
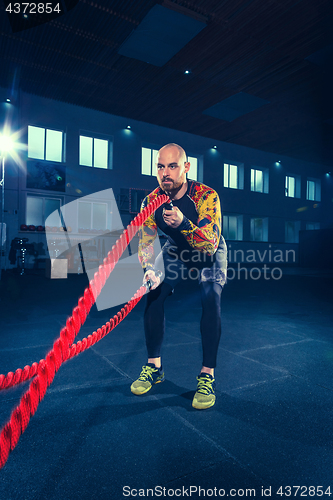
{"points": [[149, 376], [205, 395]]}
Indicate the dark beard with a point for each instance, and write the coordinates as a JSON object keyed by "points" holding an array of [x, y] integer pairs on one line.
{"points": [[174, 190]]}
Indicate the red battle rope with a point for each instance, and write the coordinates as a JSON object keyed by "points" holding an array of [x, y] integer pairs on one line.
{"points": [[63, 348]]}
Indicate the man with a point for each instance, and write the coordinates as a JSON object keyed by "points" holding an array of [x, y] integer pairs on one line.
{"points": [[195, 243]]}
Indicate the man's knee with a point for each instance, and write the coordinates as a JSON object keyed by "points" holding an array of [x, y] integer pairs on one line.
{"points": [[211, 294]]}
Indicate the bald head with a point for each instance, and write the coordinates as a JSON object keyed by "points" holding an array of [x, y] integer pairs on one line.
{"points": [[175, 148]]}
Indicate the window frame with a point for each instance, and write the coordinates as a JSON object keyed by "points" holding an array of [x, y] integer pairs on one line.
{"points": [[317, 189], [297, 228], [199, 166], [240, 174], [63, 143], [43, 197], [265, 179], [297, 179], [92, 215], [239, 227], [103, 137], [152, 148], [264, 228]]}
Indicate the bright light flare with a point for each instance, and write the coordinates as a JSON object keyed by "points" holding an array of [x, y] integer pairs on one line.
{"points": [[6, 143], [9, 144]]}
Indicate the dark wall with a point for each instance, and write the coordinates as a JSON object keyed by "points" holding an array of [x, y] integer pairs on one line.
{"points": [[126, 171], [315, 248]]}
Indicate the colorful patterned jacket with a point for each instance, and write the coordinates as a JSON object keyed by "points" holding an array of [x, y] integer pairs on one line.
{"points": [[199, 230]]}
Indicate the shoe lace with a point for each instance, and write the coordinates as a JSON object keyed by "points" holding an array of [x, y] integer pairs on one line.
{"points": [[205, 385], [146, 373]]}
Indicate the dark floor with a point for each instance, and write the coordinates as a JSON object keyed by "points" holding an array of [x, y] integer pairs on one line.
{"points": [[90, 438]]}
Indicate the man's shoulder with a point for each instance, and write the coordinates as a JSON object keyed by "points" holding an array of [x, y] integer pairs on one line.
{"points": [[151, 196], [198, 190]]}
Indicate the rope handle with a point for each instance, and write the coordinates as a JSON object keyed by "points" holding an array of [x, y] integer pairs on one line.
{"points": [[63, 348]]}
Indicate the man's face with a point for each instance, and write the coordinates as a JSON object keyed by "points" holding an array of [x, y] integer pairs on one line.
{"points": [[171, 169]]}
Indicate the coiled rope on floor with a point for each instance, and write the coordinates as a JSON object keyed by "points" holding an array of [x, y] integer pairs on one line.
{"points": [[63, 348]]}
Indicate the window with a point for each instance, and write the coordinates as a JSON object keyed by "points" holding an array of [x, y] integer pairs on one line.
{"points": [[259, 229], [95, 152], [233, 176], [312, 225], [233, 227], [292, 228], [193, 172], [290, 186], [49, 176], [39, 208], [45, 144], [148, 163], [92, 215], [259, 180], [293, 186], [313, 190]]}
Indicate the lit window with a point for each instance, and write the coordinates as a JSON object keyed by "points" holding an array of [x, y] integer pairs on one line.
{"points": [[92, 215], [233, 227], [292, 229], [230, 176], [148, 161], [293, 186], [193, 172], [45, 144], [313, 190], [259, 180], [39, 208], [53, 145], [94, 152], [154, 153], [233, 176], [290, 186], [259, 229], [86, 148]]}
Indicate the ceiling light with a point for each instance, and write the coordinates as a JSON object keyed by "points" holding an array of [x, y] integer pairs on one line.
{"points": [[187, 72], [128, 127], [7, 100]]}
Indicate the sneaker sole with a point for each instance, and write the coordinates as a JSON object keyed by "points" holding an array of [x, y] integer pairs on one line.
{"points": [[139, 393], [203, 406]]}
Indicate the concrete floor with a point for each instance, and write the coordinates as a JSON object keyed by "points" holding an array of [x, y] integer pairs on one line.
{"points": [[92, 439]]}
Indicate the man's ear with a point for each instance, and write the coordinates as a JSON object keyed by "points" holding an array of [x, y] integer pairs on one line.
{"points": [[187, 166]]}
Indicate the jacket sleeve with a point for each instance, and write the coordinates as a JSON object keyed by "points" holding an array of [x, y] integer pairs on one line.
{"points": [[204, 236], [147, 235]]}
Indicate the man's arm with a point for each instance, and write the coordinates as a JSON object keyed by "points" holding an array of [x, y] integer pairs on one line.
{"points": [[204, 236], [147, 235]]}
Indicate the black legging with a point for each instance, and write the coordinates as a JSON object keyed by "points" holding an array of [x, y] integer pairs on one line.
{"points": [[210, 325]]}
